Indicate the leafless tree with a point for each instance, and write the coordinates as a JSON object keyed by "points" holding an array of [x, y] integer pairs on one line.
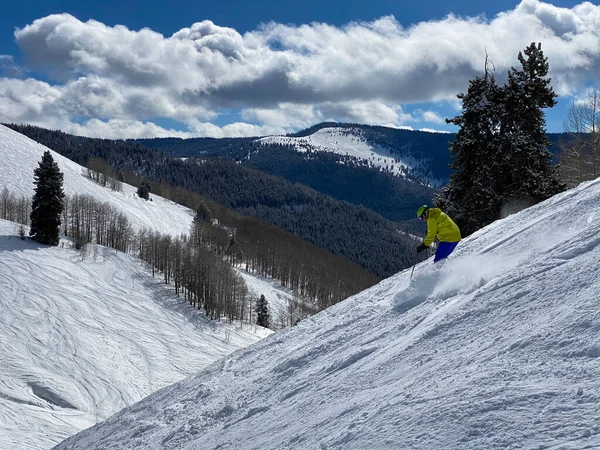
{"points": [[579, 152]]}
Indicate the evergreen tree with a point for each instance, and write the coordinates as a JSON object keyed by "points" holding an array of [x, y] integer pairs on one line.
{"points": [[203, 213], [262, 312], [500, 154], [143, 190], [47, 203], [527, 172]]}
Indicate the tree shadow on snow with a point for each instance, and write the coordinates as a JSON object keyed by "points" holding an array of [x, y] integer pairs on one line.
{"points": [[164, 295], [18, 244]]}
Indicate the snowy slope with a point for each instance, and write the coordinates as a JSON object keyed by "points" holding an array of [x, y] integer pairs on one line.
{"points": [[83, 335], [19, 156], [278, 297], [496, 348]]}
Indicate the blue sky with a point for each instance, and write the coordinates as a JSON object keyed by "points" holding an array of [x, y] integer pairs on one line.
{"points": [[188, 68]]}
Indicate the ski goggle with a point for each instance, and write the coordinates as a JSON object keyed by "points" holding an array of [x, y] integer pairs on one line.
{"points": [[423, 217]]}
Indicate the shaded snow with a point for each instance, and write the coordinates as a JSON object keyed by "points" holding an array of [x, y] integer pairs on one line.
{"points": [[496, 348]]}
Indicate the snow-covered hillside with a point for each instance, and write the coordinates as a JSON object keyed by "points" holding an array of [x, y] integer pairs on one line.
{"points": [[84, 334], [497, 348], [351, 142], [19, 156]]}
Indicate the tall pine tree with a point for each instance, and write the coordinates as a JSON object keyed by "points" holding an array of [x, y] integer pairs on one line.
{"points": [[528, 174], [47, 202], [262, 312]]}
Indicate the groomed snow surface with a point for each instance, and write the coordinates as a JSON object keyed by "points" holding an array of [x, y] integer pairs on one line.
{"points": [[496, 348]]}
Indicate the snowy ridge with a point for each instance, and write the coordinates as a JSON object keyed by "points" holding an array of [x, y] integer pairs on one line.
{"points": [[497, 348], [351, 142], [345, 141]]}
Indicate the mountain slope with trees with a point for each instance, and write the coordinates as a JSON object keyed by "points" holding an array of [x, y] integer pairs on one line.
{"points": [[201, 258], [336, 174], [347, 230]]}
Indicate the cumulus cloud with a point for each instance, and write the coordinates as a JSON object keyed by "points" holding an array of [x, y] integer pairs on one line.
{"points": [[432, 116], [9, 68], [279, 78]]}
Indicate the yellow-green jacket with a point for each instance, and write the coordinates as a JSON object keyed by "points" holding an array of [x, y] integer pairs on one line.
{"points": [[438, 223]]}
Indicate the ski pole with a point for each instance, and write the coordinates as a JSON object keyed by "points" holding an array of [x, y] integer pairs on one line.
{"points": [[413, 269]]}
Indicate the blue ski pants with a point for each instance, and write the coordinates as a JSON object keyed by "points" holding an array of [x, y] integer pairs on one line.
{"points": [[443, 250]]}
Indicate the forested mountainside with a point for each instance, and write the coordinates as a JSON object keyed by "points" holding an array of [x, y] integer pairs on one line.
{"points": [[354, 232], [429, 148], [341, 176]]}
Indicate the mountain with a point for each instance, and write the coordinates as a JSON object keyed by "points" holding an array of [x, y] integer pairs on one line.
{"points": [[497, 347], [384, 169], [21, 155], [420, 154]]}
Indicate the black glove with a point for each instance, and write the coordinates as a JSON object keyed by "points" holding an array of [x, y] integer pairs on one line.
{"points": [[421, 247]]}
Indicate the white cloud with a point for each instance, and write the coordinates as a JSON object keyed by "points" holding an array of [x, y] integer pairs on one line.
{"points": [[432, 116], [283, 77], [121, 129]]}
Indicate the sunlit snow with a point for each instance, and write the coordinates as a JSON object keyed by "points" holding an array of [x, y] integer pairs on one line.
{"points": [[345, 142], [496, 348]]}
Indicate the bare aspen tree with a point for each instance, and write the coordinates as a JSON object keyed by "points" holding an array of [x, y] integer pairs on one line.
{"points": [[579, 153]]}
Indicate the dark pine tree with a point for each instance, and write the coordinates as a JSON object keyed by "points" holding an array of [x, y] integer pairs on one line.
{"points": [[203, 213], [470, 197], [528, 175], [47, 203], [262, 312], [143, 190]]}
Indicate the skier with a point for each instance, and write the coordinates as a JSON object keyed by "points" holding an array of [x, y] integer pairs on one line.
{"points": [[441, 225]]}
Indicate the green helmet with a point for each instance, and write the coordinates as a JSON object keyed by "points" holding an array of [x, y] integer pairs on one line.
{"points": [[423, 209]]}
